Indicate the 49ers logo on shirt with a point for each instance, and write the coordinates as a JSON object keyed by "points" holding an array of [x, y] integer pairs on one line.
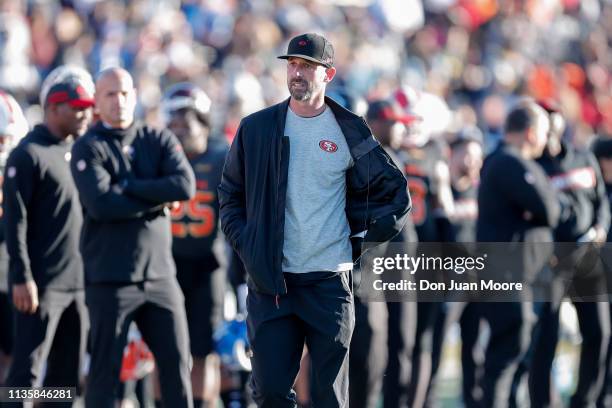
{"points": [[329, 147]]}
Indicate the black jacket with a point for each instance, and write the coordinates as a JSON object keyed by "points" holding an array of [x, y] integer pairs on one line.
{"points": [[584, 203], [42, 214], [517, 204], [253, 191], [124, 178], [510, 188]]}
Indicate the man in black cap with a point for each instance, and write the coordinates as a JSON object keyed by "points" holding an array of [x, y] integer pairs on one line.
{"points": [[127, 174], [42, 225], [301, 179]]}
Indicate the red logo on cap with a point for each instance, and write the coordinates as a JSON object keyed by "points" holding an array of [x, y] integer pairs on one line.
{"points": [[302, 43], [82, 93], [329, 147]]}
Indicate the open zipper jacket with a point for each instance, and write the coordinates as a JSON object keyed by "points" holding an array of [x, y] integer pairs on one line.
{"points": [[253, 191]]}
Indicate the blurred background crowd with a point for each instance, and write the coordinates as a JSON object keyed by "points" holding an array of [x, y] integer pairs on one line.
{"points": [[475, 55], [457, 64]]}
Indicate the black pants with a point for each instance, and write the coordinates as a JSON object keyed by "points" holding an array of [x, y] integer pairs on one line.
{"points": [[402, 317], [471, 355], [158, 309], [368, 354], [6, 325], [318, 310], [605, 397], [57, 334], [426, 351], [511, 324], [594, 322]]}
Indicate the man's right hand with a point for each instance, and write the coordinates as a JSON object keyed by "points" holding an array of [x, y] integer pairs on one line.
{"points": [[25, 297]]}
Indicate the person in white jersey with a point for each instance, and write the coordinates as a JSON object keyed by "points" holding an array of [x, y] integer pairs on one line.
{"points": [[304, 184]]}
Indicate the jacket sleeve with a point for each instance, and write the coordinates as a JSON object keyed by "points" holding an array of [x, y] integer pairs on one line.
{"points": [[601, 205], [529, 189], [387, 186], [232, 203], [176, 181], [102, 200], [17, 190]]}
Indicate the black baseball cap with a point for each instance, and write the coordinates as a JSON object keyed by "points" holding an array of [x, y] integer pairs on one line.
{"points": [[311, 47]]}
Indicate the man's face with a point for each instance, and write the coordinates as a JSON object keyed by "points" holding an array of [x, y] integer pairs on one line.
{"points": [[466, 160], [72, 121], [606, 169], [541, 141], [191, 132], [555, 133], [388, 132], [6, 141], [306, 78], [116, 100]]}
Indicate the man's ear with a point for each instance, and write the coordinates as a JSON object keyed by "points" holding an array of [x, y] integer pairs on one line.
{"points": [[330, 73], [530, 136]]}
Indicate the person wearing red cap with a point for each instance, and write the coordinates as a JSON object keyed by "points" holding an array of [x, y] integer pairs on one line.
{"points": [[382, 343], [43, 219]]}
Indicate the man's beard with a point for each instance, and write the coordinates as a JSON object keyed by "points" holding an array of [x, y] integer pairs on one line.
{"points": [[302, 94]]}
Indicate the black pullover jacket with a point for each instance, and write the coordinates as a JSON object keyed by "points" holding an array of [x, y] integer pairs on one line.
{"points": [[124, 178], [516, 203], [253, 191], [42, 215]]}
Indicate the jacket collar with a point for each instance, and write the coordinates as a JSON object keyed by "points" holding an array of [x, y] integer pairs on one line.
{"points": [[42, 131], [358, 135], [126, 136]]}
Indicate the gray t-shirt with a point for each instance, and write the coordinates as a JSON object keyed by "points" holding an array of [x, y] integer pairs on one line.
{"points": [[316, 227]]}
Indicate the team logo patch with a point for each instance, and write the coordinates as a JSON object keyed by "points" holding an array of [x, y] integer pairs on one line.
{"points": [[11, 172], [302, 43], [67, 156], [128, 150], [329, 147], [81, 165]]}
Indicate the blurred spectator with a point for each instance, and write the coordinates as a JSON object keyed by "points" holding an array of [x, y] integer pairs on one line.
{"points": [[465, 53]]}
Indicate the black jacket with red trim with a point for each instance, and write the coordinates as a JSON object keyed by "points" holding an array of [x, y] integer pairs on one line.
{"points": [[575, 174]]}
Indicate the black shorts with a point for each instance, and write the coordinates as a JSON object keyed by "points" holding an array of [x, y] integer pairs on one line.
{"points": [[204, 292], [6, 324]]}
